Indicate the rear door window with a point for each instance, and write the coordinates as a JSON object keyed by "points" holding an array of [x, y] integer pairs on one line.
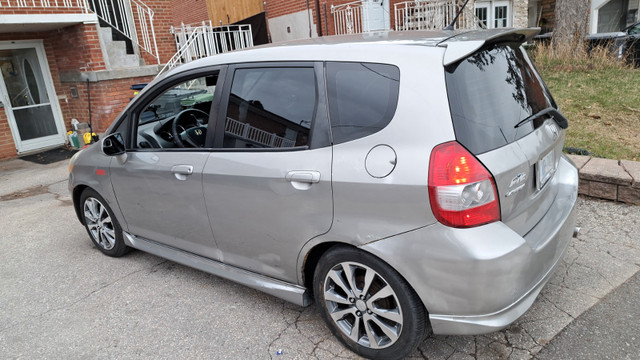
{"points": [[270, 108], [492, 91], [362, 98]]}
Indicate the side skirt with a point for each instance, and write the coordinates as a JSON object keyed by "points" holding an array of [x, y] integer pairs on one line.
{"points": [[290, 292]]}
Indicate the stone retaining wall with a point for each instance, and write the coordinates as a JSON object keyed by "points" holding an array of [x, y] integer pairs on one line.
{"points": [[609, 179]]}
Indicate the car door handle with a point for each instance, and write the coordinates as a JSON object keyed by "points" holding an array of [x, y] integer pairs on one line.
{"points": [[303, 176], [182, 171]]}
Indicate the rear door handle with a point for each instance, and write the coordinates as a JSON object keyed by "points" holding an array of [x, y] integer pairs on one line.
{"points": [[182, 171], [303, 176]]}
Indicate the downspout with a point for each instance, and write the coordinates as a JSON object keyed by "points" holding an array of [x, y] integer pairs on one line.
{"points": [[318, 18], [309, 19]]}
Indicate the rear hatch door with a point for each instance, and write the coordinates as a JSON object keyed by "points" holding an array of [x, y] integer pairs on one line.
{"points": [[503, 113]]}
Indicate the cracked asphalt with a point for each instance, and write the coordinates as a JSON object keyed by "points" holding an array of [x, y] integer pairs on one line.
{"points": [[61, 298]]}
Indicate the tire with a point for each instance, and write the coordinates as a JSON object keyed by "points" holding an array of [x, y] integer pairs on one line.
{"points": [[103, 228], [356, 312]]}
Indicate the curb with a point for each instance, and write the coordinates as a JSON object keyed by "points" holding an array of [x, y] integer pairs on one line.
{"points": [[615, 180]]}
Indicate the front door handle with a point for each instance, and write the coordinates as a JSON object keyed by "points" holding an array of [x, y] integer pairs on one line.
{"points": [[303, 176], [182, 171]]}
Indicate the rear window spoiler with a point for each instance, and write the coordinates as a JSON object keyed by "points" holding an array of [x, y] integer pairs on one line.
{"points": [[460, 46]]}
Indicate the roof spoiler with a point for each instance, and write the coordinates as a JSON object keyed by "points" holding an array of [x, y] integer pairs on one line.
{"points": [[464, 44]]}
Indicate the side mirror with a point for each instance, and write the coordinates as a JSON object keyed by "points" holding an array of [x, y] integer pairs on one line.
{"points": [[113, 145]]}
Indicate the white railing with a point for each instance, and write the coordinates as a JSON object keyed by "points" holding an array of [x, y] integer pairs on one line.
{"points": [[80, 5], [132, 18], [253, 134], [347, 18], [195, 42], [434, 14]]}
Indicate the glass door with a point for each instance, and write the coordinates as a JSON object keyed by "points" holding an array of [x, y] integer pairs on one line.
{"points": [[29, 100]]}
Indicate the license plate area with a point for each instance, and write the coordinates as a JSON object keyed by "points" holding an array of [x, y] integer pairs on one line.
{"points": [[545, 169]]}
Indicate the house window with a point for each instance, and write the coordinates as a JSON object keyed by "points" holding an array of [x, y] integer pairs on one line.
{"points": [[482, 15], [493, 14], [500, 16]]}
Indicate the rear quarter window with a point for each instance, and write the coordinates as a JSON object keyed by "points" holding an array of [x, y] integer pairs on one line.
{"points": [[362, 98]]}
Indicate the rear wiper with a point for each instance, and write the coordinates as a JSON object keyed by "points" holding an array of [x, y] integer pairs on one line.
{"points": [[555, 114]]}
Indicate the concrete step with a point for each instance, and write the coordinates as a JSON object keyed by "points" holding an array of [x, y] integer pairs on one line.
{"points": [[116, 51]]}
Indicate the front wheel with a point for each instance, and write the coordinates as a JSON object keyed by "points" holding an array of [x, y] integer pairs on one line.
{"points": [[102, 226], [368, 305]]}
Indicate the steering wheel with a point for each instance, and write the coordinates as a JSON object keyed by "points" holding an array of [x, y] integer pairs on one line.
{"points": [[188, 130]]}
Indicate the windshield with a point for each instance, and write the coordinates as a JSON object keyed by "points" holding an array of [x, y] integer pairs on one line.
{"points": [[490, 92]]}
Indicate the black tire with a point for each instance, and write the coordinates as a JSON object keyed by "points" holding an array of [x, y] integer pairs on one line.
{"points": [[103, 228], [404, 313]]}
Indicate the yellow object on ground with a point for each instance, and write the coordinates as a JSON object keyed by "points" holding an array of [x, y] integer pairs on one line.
{"points": [[87, 137]]}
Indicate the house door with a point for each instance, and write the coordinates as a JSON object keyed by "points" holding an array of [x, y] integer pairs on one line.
{"points": [[28, 97], [375, 16]]}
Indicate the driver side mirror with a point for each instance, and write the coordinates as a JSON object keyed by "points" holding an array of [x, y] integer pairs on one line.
{"points": [[113, 145]]}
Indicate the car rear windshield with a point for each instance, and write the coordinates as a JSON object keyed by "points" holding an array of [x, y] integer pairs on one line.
{"points": [[490, 92]]}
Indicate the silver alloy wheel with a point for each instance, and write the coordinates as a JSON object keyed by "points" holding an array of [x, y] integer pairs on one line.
{"points": [[363, 305], [99, 223]]}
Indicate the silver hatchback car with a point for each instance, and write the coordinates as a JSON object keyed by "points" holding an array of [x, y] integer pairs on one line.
{"points": [[407, 182]]}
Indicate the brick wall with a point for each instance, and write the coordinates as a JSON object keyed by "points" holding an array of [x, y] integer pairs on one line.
{"points": [[162, 20], [108, 99], [7, 146], [189, 11], [548, 18]]}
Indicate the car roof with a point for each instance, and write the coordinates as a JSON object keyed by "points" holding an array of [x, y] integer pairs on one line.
{"points": [[460, 43]]}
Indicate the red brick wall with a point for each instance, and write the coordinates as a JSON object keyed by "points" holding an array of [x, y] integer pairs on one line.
{"points": [[162, 20], [548, 18], [189, 11], [7, 146], [108, 98]]}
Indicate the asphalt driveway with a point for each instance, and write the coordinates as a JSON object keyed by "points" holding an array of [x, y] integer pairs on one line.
{"points": [[61, 298]]}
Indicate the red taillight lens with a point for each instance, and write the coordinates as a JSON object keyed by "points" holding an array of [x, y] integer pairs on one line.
{"points": [[462, 192]]}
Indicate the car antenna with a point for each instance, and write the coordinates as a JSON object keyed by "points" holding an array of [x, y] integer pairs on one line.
{"points": [[450, 27]]}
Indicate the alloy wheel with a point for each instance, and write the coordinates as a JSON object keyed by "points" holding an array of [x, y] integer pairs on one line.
{"points": [[99, 223], [363, 305]]}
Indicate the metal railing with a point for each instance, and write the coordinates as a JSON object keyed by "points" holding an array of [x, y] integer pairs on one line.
{"points": [[131, 18], [434, 14], [195, 42], [347, 18]]}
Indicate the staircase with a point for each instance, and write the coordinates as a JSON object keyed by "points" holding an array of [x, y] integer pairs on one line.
{"points": [[120, 51], [126, 26]]}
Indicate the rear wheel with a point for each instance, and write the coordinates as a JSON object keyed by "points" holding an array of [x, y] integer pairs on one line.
{"points": [[368, 305], [102, 226]]}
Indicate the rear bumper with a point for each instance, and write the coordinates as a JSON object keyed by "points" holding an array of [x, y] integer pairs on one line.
{"points": [[480, 280]]}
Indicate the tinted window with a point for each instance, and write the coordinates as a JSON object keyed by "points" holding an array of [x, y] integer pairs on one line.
{"points": [[270, 108], [362, 98], [489, 93]]}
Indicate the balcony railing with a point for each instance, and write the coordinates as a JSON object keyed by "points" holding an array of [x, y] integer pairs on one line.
{"points": [[195, 42], [434, 14], [132, 18]]}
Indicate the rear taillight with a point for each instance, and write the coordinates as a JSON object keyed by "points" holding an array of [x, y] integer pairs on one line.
{"points": [[462, 192]]}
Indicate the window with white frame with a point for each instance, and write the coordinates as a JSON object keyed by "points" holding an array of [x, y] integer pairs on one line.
{"points": [[493, 14]]}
